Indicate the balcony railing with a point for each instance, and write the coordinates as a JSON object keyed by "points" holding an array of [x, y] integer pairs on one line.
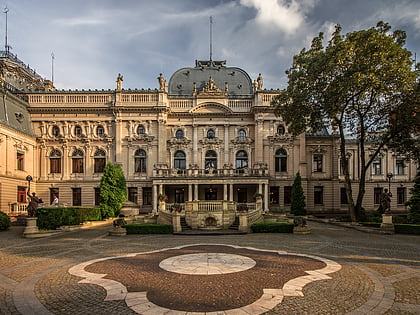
{"points": [[209, 172]]}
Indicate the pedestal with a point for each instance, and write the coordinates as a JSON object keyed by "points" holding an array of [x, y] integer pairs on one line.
{"points": [[118, 231], [31, 227], [387, 226]]}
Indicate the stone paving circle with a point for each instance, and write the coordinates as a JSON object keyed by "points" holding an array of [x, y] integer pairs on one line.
{"points": [[151, 283]]}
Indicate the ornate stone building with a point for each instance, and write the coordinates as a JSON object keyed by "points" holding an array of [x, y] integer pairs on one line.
{"points": [[208, 134]]}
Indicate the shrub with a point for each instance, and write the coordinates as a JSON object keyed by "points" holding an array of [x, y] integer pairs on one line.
{"points": [[4, 221], [407, 228], [148, 228], [370, 216], [414, 202], [53, 217], [371, 224], [298, 205], [344, 218], [272, 227], [113, 190]]}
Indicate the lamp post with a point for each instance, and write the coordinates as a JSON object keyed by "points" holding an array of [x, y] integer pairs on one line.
{"points": [[389, 176], [29, 179]]}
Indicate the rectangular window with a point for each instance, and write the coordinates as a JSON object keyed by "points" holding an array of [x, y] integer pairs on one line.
{"points": [[318, 195], [55, 165], [54, 192], [399, 166], [99, 164], [20, 159], [77, 196], [179, 196], [147, 196], [377, 192], [343, 196], [132, 194], [21, 194], [274, 195], [401, 195], [77, 165], [377, 166], [287, 195], [97, 196], [317, 163]]}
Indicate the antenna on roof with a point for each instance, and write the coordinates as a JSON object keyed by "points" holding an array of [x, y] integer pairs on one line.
{"points": [[6, 46], [211, 37], [52, 67]]}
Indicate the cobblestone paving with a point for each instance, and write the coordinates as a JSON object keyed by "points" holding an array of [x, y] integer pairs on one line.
{"points": [[379, 275]]}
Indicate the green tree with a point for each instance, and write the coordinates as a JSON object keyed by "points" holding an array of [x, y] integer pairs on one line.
{"points": [[361, 85], [113, 190], [414, 202], [298, 205]]}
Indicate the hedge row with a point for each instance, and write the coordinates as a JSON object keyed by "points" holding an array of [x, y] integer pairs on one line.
{"points": [[53, 217], [272, 227], [148, 228], [4, 221], [407, 228]]}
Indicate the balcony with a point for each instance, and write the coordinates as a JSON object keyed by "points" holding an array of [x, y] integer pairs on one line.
{"points": [[209, 172]]}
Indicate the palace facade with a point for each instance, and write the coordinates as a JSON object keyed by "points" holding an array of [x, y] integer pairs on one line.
{"points": [[209, 133]]}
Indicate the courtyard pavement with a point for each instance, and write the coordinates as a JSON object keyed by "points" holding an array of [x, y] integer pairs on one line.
{"points": [[333, 270]]}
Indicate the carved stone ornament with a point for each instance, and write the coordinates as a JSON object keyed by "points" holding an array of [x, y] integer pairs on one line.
{"points": [[210, 89]]}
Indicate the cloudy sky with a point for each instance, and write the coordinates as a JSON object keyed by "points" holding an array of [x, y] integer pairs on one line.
{"points": [[94, 40]]}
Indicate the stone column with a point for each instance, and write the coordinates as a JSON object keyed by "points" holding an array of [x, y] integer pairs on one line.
{"points": [[162, 138], [190, 192], [118, 139], [154, 198], [259, 124], [266, 202], [225, 192], [195, 144], [231, 192], [226, 143], [195, 191]]}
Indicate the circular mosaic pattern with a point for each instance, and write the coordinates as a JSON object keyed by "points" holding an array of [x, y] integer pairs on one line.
{"points": [[207, 263]]}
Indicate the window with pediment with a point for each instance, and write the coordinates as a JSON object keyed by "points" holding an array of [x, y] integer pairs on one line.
{"points": [[55, 161], [100, 161], [179, 160], [281, 160], [140, 161], [77, 161], [241, 159]]}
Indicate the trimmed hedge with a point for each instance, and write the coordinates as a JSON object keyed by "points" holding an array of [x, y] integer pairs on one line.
{"points": [[148, 228], [272, 227], [371, 224], [4, 221], [53, 217], [407, 228]]}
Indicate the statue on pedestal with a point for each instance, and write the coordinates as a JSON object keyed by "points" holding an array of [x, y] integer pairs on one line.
{"points": [[119, 82]]}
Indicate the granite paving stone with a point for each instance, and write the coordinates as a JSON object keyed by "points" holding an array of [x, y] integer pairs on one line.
{"points": [[378, 275]]}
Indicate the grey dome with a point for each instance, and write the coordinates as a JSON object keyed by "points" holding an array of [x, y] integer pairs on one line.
{"points": [[181, 83]]}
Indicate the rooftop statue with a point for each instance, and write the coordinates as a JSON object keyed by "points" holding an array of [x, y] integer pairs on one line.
{"points": [[259, 82], [162, 82], [119, 82]]}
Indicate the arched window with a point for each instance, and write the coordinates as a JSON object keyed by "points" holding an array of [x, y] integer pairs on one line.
{"points": [[211, 159], [210, 134], [77, 161], [55, 131], [281, 130], [179, 160], [241, 134], [100, 161], [55, 161], [281, 160], [100, 131], [179, 134], [141, 130], [241, 160], [140, 161], [77, 131]]}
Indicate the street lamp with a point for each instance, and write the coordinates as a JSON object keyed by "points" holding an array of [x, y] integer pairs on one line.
{"points": [[29, 179], [389, 176]]}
